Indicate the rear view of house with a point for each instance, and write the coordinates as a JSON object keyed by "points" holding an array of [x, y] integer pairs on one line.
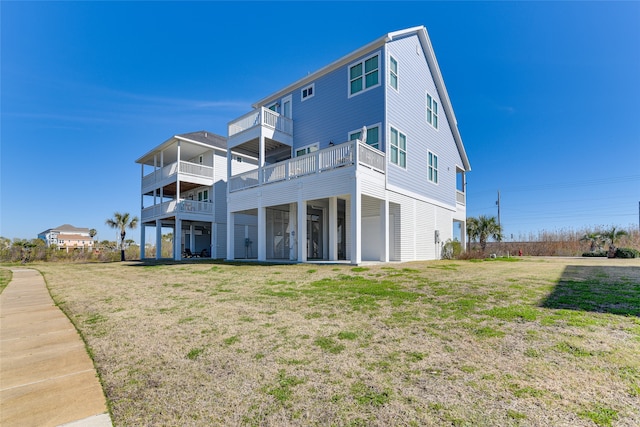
{"points": [[361, 160]]}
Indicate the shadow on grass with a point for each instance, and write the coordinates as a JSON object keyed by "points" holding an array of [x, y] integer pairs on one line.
{"points": [[168, 261], [599, 289]]}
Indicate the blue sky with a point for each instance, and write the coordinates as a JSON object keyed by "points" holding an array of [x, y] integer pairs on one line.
{"points": [[547, 97]]}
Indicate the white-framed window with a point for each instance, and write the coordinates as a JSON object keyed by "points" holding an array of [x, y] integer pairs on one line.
{"points": [[393, 72], [373, 136], [203, 195], [273, 107], [432, 175], [307, 92], [364, 75], [398, 148], [306, 149], [286, 107], [432, 111]]}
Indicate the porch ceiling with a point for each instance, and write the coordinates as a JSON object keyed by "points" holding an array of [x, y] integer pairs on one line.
{"points": [[273, 149], [170, 190]]}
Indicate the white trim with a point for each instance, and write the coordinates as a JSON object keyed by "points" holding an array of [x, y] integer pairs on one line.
{"points": [[397, 73], [378, 125], [427, 109], [413, 195], [364, 75], [312, 88], [288, 99], [437, 181], [406, 157]]}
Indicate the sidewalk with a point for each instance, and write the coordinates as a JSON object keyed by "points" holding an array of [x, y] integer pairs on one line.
{"points": [[46, 375]]}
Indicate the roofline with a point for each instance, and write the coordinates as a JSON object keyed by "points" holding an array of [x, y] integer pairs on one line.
{"points": [[429, 54], [173, 139]]}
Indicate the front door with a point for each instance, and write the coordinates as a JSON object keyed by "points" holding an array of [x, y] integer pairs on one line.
{"points": [[314, 234]]}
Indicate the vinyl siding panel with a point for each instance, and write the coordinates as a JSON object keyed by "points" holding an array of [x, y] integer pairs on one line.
{"points": [[406, 111], [330, 114]]}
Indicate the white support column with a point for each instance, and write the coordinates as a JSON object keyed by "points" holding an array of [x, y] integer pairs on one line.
{"points": [[302, 230], [177, 238], [261, 160], [178, 176], [333, 228], [384, 229], [214, 240], [293, 231], [192, 239], [262, 232], [356, 226], [159, 238], [230, 235], [142, 242]]}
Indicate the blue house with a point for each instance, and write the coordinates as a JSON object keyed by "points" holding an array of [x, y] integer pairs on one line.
{"points": [[361, 160]]}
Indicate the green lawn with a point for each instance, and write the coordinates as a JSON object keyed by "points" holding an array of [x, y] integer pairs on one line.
{"points": [[534, 342]]}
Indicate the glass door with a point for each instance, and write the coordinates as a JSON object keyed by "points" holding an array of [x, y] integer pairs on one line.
{"points": [[314, 234]]}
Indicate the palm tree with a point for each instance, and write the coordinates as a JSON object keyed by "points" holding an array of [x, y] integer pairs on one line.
{"points": [[611, 236], [122, 221], [488, 227], [472, 230], [594, 240]]}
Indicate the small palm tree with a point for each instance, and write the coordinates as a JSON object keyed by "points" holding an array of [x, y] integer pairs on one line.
{"points": [[472, 230], [122, 221], [594, 240], [612, 235], [488, 227]]}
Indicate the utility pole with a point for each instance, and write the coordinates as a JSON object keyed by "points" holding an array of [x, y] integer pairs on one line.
{"points": [[498, 203]]}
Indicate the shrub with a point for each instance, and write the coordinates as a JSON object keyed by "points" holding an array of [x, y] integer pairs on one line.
{"points": [[595, 254], [627, 253]]}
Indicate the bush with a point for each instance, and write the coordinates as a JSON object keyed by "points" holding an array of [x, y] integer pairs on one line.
{"points": [[595, 254], [627, 253]]}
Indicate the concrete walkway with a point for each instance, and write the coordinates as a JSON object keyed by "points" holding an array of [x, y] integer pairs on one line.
{"points": [[46, 375]]}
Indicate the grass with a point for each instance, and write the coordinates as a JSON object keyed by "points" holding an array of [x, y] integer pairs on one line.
{"points": [[5, 278], [535, 342]]}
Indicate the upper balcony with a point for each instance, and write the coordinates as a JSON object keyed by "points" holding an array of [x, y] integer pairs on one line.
{"points": [[187, 171], [260, 122], [350, 154]]}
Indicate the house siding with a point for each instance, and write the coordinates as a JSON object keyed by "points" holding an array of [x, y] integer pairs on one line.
{"points": [[330, 114], [406, 112]]}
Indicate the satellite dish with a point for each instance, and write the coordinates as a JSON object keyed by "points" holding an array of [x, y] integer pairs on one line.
{"points": [[363, 137]]}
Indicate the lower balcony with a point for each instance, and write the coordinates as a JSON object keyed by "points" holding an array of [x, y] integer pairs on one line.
{"points": [[349, 154], [186, 208]]}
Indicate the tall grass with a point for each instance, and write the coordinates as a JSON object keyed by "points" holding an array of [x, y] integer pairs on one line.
{"points": [[562, 242]]}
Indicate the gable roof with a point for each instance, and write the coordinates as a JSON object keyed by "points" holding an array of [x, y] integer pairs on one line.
{"points": [[429, 54], [66, 228]]}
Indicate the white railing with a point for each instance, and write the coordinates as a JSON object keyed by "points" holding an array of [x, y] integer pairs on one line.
{"points": [[174, 206], [261, 117], [460, 198], [188, 168], [317, 162]]}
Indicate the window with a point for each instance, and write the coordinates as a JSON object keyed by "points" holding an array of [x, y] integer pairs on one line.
{"points": [[433, 168], [393, 73], [308, 92], [373, 136], [398, 148], [364, 75], [432, 111], [203, 195], [306, 150]]}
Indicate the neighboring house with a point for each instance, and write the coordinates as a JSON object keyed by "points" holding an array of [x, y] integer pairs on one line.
{"points": [[67, 237], [184, 189], [360, 160]]}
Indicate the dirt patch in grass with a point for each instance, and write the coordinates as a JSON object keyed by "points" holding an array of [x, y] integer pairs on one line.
{"points": [[430, 343]]}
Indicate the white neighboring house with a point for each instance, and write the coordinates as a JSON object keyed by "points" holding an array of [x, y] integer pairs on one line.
{"points": [[67, 237], [184, 189], [360, 160]]}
